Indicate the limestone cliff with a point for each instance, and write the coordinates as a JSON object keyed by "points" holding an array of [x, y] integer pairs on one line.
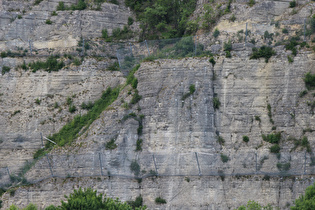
{"points": [[192, 151]]}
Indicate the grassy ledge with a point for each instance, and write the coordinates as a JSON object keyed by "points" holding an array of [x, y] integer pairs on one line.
{"points": [[80, 123]]}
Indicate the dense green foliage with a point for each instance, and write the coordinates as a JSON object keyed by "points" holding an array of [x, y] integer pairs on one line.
{"points": [[309, 80], [137, 203], [273, 138], [36, 2], [212, 61], [111, 144], [160, 200], [216, 103], [89, 199], [262, 52], [224, 158], [306, 201], [113, 67], [275, 148], [216, 33], [135, 167], [252, 205], [139, 145], [304, 143], [5, 69], [162, 18], [51, 64], [292, 4], [245, 139], [81, 5], [192, 89]]}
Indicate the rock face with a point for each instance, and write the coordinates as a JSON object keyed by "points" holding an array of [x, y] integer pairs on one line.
{"points": [[183, 141], [64, 31], [180, 136]]}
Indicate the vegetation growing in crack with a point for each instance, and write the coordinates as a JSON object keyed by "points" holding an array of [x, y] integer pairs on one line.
{"points": [[192, 89], [110, 145], [302, 143], [51, 64], [270, 114], [69, 132], [262, 52], [135, 167]]}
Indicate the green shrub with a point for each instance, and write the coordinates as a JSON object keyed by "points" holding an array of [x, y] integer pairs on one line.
{"points": [[139, 145], [119, 34], [251, 3], [245, 139], [192, 89], [54, 13], [37, 101], [275, 148], [221, 140], [135, 167], [232, 18], [285, 31], [292, 4], [5, 69], [61, 6], [130, 21], [212, 61], [110, 145], [137, 203], [51, 64], [69, 100], [160, 200], [30, 207], [268, 35], [216, 33], [224, 158], [37, 2], [81, 5], [290, 59], [87, 106], [105, 34], [77, 62], [135, 98], [114, 2], [303, 93], [72, 108], [257, 118], [305, 201], [228, 54], [48, 21], [227, 46], [113, 67], [4, 55], [309, 80], [273, 138], [216, 103], [262, 52]]}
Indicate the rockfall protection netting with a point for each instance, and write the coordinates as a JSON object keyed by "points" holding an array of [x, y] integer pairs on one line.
{"points": [[105, 163], [118, 164]]}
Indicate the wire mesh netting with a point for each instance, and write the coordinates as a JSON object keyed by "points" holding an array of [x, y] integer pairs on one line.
{"points": [[160, 164]]}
